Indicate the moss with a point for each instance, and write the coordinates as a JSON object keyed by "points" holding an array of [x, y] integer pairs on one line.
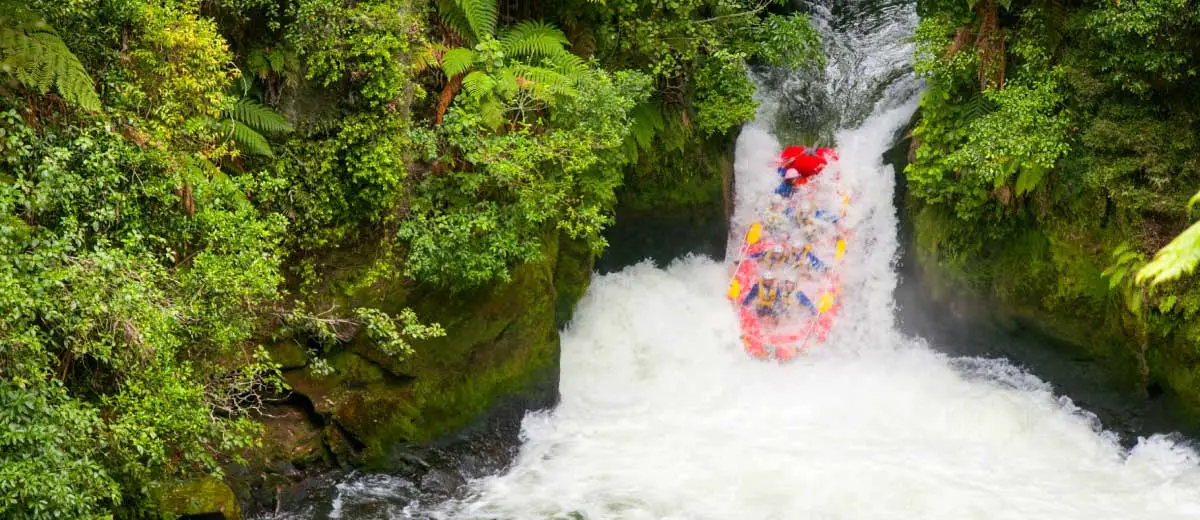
{"points": [[200, 497], [572, 275], [289, 354], [1047, 273], [501, 346], [499, 343]]}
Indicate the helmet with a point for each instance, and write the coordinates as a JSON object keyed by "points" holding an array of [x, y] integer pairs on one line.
{"points": [[777, 248], [768, 276], [798, 244]]}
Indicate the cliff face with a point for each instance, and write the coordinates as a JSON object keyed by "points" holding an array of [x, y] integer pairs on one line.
{"points": [[498, 360]]}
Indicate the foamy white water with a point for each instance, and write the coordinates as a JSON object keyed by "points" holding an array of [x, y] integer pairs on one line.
{"points": [[662, 416]]}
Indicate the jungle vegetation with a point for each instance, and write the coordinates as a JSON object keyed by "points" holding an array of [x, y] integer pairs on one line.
{"points": [[1055, 155], [174, 175]]}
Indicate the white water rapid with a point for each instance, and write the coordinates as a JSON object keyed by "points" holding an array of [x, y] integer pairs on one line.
{"points": [[664, 417]]}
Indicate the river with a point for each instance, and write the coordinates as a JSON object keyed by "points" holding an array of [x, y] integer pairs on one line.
{"points": [[663, 417]]}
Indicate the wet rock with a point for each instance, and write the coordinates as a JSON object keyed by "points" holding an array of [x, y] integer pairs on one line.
{"points": [[206, 497]]}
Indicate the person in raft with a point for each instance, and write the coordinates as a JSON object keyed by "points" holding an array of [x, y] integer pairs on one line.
{"points": [[798, 164], [764, 296]]}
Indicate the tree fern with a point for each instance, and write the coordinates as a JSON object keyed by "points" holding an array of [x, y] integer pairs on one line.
{"points": [[533, 38], [38, 59], [544, 82]]}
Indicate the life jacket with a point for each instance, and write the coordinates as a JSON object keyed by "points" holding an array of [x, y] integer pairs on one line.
{"points": [[767, 295]]}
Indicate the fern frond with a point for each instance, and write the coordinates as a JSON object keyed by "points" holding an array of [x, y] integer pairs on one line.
{"points": [[1029, 179], [977, 106], [506, 82], [478, 84], [1174, 260], [259, 117], [250, 140], [492, 113], [645, 121], [543, 82], [457, 60], [428, 56], [456, 21], [534, 39], [39, 59], [481, 15], [567, 64]]}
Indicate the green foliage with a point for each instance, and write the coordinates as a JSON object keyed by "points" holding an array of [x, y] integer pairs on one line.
{"points": [[33, 54], [389, 332], [1076, 122], [49, 460], [511, 188]]}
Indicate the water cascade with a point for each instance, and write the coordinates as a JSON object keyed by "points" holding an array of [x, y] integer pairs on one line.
{"points": [[664, 417]]}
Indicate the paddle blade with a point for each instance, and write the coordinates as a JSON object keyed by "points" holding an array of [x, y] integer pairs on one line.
{"points": [[826, 302], [754, 234]]}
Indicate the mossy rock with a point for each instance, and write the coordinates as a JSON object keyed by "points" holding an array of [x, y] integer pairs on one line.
{"points": [[501, 347], [288, 354], [205, 497]]}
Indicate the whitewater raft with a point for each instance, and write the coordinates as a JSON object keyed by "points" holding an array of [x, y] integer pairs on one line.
{"points": [[800, 242]]}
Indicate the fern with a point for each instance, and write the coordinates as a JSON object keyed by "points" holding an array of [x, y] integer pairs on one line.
{"points": [[478, 84], [977, 107], [534, 39], [258, 117], [481, 16], [456, 21], [1174, 260], [492, 113], [567, 63], [1029, 179], [645, 121], [544, 83], [457, 61], [250, 140], [39, 59]]}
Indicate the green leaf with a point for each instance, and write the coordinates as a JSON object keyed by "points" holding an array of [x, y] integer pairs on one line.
{"points": [[1118, 275], [1192, 201]]}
